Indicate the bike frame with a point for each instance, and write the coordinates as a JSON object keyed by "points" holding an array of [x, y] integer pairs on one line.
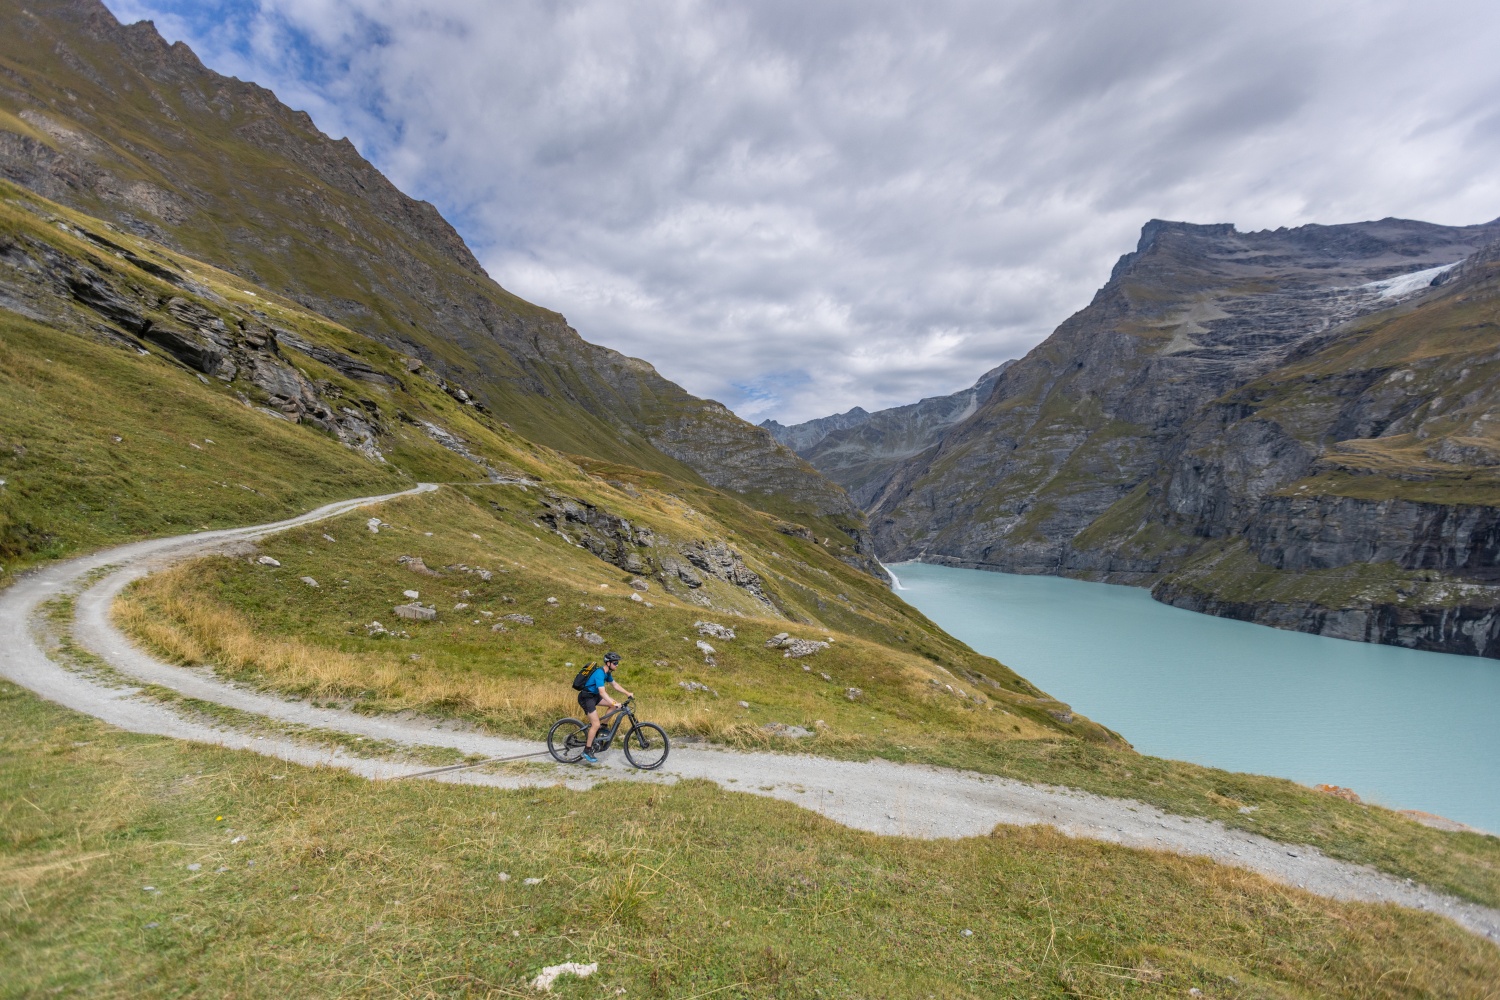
{"points": [[607, 732]]}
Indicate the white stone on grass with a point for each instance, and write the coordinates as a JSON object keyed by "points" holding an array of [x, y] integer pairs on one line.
{"points": [[548, 976], [267, 561]]}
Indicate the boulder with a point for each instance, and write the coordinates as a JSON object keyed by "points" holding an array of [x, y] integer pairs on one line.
{"points": [[782, 729], [416, 565], [714, 629], [415, 612], [268, 561], [519, 619], [640, 584], [794, 647]]}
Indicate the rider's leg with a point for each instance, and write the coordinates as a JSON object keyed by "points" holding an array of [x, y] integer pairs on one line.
{"points": [[593, 718]]}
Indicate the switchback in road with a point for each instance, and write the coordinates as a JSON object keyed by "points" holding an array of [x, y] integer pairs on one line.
{"points": [[909, 800]]}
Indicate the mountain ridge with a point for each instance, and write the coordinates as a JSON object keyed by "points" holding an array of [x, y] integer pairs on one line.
{"points": [[115, 121], [1138, 445], [860, 450]]}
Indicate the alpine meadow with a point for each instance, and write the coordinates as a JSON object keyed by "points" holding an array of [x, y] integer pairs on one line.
{"points": [[306, 524]]}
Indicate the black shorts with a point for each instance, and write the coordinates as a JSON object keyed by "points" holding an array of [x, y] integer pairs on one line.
{"points": [[588, 702]]}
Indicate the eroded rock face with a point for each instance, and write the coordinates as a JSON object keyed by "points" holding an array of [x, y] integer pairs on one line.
{"points": [[1235, 403], [637, 549], [860, 450], [226, 342]]}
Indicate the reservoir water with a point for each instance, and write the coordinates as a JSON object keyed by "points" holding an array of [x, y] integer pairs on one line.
{"points": [[1406, 729]]}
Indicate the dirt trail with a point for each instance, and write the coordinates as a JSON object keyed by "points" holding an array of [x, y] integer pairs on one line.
{"points": [[878, 796]]}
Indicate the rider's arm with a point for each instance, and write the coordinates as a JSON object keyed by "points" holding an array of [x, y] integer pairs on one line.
{"points": [[620, 688]]}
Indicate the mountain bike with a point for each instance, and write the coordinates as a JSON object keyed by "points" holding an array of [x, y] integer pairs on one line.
{"points": [[646, 744]]}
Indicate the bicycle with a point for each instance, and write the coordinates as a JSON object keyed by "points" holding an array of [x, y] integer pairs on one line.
{"points": [[646, 745]]}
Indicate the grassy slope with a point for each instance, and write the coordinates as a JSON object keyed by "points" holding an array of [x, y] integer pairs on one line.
{"points": [[255, 188], [71, 486], [343, 887], [64, 398], [263, 626], [71, 396]]}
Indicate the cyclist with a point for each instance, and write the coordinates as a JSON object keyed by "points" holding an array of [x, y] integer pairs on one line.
{"points": [[593, 694]]}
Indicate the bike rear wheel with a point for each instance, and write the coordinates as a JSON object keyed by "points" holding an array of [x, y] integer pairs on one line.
{"points": [[646, 746], [566, 740]]}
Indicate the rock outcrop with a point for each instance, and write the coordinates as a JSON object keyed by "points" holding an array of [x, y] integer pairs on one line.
{"points": [[239, 347], [679, 566]]}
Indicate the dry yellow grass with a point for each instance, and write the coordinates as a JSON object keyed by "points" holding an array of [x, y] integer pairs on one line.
{"points": [[191, 627]]}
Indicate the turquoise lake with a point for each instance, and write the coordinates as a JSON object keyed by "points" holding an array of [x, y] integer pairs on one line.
{"points": [[1402, 728]]}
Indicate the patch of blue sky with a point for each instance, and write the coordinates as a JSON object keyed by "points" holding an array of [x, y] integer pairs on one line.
{"points": [[763, 395]]}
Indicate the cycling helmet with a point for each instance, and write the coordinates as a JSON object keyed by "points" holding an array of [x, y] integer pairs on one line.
{"points": [[611, 657]]}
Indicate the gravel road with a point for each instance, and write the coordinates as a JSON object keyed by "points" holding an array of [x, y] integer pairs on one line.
{"points": [[878, 796]]}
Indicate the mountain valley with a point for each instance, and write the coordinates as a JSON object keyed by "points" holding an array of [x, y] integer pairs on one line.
{"points": [[213, 317], [1287, 427]]}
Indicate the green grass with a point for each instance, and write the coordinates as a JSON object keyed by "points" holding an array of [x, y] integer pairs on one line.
{"points": [[381, 889], [190, 456], [69, 485], [261, 193], [264, 626]]}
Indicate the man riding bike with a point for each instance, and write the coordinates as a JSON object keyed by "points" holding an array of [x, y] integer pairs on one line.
{"points": [[593, 695]]}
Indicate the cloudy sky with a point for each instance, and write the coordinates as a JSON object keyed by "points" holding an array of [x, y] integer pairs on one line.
{"points": [[797, 206]]}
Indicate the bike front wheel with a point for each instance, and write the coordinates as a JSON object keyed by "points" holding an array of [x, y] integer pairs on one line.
{"points": [[646, 746], [566, 740]]}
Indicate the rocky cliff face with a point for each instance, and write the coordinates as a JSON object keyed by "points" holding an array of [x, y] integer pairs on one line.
{"points": [[112, 120], [800, 437], [860, 450], [1290, 427]]}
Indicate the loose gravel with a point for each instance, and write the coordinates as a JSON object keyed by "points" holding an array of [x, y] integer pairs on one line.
{"points": [[878, 796]]}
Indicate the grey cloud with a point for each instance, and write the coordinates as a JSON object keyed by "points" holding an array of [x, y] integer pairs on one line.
{"points": [[796, 208]]}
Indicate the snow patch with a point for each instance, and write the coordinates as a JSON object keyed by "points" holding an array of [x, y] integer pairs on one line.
{"points": [[1405, 284]]}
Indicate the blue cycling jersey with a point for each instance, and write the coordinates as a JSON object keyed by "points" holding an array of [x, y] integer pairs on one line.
{"points": [[596, 681]]}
